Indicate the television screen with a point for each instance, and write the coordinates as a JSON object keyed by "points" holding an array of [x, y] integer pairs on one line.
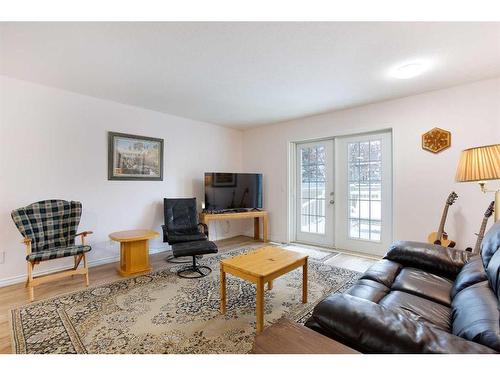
{"points": [[232, 191]]}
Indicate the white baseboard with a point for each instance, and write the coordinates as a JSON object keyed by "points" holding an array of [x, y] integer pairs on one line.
{"points": [[97, 262]]}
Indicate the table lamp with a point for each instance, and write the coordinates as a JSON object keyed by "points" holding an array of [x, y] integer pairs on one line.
{"points": [[480, 164]]}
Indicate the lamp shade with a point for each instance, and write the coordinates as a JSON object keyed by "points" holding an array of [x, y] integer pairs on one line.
{"points": [[479, 164]]}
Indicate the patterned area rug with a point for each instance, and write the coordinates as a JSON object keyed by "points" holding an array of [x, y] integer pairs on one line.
{"points": [[161, 313]]}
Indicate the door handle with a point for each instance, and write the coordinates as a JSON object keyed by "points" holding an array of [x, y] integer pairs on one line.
{"points": [[332, 201]]}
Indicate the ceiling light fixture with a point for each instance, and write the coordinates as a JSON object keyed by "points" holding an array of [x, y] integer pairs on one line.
{"points": [[410, 69]]}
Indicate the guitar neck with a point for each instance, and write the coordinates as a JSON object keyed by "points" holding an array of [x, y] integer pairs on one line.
{"points": [[443, 221], [480, 235]]}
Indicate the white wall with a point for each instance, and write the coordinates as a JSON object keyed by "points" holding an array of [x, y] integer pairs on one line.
{"points": [[53, 144], [422, 180]]}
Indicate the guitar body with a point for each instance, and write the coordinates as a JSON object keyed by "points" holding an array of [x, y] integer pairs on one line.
{"points": [[443, 241], [441, 237]]}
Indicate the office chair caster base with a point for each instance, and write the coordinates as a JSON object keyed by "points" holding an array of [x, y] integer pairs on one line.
{"points": [[194, 272]]}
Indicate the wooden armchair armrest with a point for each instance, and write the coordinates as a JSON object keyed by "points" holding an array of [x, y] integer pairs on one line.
{"points": [[83, 235], [27, 241]]}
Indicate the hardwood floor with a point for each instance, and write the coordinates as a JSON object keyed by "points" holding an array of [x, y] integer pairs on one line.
{"points": [[16, 295]]}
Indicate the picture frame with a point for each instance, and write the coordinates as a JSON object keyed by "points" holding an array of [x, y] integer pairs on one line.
{"points": [[224, 179], [134, 157]]}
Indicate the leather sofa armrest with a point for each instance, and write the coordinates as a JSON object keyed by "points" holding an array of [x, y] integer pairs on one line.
{"points": [[433, 258], [371, 328]]}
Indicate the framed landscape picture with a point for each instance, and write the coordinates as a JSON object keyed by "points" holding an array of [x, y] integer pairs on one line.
{"points": [[224, 179], [134, 157]]}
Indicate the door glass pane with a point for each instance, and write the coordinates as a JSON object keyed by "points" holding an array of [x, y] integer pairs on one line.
{"points": [[354, 209], [321, 224], [364, 172], [304, 207], [376, 210], [364, 210], [364, 151], [364, 229], [375, 150], [365, 189], [375, 171], [353, 172], [353, 190], [321, 173], [320, 155], [313, 224], [375, 227], [375, 191], [321, 207], [320, 190], [354, 228], [304, 223], [304, 190], [353, 150], [313, 189], [305, 156]]}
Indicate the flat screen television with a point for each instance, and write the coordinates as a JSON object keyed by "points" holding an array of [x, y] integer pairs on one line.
{"points": [[233, 191]]}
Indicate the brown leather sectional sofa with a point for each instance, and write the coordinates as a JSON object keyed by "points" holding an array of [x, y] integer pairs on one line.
{"points": [[420, 298]]}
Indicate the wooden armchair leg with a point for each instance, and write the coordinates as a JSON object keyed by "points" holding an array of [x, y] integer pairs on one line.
{"points": [[86, 270], [78, 259], [29, 282]]}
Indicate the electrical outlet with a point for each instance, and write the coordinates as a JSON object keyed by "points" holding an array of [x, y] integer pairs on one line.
{"points": [[2, 257]]}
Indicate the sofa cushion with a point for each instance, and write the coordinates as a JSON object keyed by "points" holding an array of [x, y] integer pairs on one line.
{"points": [[384, 272], [490, 243], [437, 259], [418, 309], [472, 273], [475, 315], [424, 284], [493, 274], [369, 290], [491, 257]]}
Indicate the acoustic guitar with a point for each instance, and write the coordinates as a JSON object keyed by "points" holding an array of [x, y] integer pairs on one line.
{"points": [[441, 237], [480, 235]]}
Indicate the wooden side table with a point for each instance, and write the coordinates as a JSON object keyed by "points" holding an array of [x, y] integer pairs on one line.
{"points": [[134, 250], [205, 218], [287, 337]]}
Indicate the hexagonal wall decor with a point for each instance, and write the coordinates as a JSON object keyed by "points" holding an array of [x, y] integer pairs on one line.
{"points": [[436, 140]]}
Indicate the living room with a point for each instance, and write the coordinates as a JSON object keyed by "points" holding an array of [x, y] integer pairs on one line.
{"points": [[229, 187]]}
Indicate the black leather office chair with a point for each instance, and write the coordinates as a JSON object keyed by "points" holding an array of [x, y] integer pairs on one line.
{"points": [[181, 224]]}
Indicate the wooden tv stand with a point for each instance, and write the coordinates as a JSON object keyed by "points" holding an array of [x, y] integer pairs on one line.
{"points": [[256, 215]]}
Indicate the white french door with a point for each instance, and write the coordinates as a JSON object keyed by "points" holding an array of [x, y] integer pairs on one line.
{"points": [[364, 192], [314, 194], [343, 192]]}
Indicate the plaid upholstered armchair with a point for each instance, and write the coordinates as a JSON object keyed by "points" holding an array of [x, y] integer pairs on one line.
{"points": [[49, 230]]}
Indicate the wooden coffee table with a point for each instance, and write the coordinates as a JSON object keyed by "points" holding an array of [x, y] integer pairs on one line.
{"points": [[260, 267], [134, 250]]}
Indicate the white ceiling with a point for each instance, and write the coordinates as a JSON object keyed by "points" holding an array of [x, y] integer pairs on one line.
{"points": [[246, 74]]}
